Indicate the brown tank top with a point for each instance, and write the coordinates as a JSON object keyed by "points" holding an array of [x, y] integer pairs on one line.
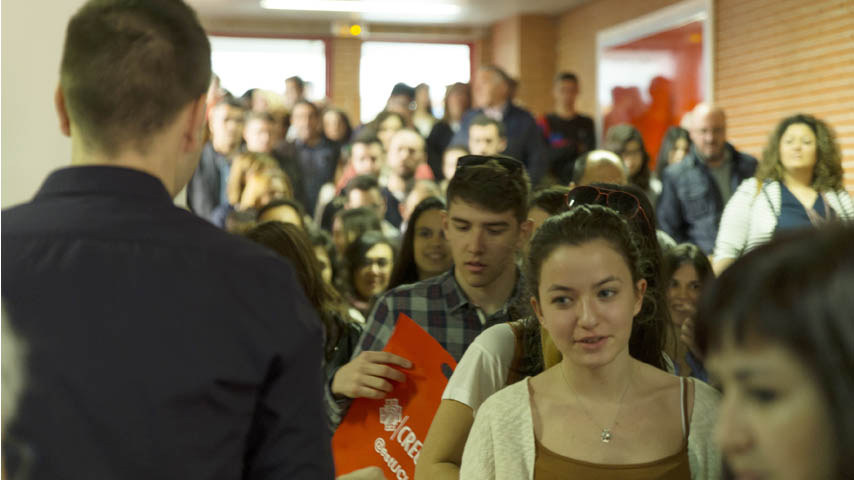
{"points": [[549, 465]]}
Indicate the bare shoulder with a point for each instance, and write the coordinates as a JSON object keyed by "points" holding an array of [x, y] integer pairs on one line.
{"points": [[664, 388]]}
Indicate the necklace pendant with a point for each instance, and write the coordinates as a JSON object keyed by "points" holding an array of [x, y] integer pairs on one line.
{"points": [[606, 435]]}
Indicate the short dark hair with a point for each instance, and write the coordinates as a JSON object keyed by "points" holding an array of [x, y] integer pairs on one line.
{"points": [[795, 292], [299, 82], [359, 220], [403, 89], [566, 77], [366, 136], [491, 186], [482, 120], [364, 183], [129, 66], [551, 200]]}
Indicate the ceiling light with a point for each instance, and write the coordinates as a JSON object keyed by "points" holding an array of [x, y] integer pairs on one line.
{"points": [[385, 7]]}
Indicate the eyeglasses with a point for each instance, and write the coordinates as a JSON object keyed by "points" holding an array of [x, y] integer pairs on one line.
{"points": [[509, 163], [624, 203]]}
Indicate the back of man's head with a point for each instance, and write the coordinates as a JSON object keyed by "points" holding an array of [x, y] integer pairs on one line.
{"points": [[129, 66], [599, 166], [495, 183]]}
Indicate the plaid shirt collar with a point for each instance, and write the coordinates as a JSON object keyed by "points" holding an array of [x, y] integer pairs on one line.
{"points": [[456, 298]]}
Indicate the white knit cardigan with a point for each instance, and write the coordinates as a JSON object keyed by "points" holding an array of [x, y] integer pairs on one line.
{"points": [[750, 217], [501, 443]]}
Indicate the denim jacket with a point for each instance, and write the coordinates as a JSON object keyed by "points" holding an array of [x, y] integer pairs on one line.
{"points": [[690, 206]]}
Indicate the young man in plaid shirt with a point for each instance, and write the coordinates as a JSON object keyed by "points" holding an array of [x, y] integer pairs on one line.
{"points": [[486, 225]]}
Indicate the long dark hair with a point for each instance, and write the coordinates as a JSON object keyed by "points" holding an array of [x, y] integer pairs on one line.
{"points": [[585, 223], [616, 140], [354, 257], [405, 269], [672, 135], [291, 242], [795, 292]]}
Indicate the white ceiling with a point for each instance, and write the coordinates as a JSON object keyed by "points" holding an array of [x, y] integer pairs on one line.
{"points": [[472, 12]]}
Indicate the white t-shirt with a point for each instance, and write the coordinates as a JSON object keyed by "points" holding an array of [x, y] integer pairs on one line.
{"points": [[484, 367]]}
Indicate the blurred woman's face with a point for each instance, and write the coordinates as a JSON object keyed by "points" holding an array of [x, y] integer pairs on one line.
{"points": [[325, 264], [458, 101], [773, 421], [372, 276], [683, 293], [632, 156], [679, 150], [387, 129], [798, 148], [432, 255], [333, 127]]}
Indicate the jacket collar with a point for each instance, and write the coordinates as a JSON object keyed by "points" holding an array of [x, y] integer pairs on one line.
{"points": [[104, 180]]}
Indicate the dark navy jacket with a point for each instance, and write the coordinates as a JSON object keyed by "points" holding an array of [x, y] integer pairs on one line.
{"points": [[152, 344], [690, 206], [524, 139]]}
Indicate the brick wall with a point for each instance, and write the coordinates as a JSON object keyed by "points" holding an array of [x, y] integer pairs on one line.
{"points": [[576, 39], [778, 57], [771, 58], [539, 34], [346, 54]]}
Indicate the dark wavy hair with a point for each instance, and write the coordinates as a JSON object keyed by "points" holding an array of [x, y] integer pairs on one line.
{"points": [[321, 238], [354, 257], [828, 172], [405, 270], [690, 254], [616, 140], [586, 223], [291, 242], [795, 291]]}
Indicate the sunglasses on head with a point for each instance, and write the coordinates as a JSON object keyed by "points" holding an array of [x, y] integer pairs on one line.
{"points": [[624, 203], [510, 164]]}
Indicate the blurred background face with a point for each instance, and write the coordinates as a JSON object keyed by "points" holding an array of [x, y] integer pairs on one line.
{"points": [[677, 153], [305, 121], [387, 129], [565, 92], [373, 275], [489, 89], [293, 93], [226, 128], [406, 151], [372, 199], [798, 148], [366, 158], [632, 157], [458, 103], [773, 421], [485, 140], [325, 264], [334, 127], [432, 255], [709, 132], [259, 136], [683, 293]]}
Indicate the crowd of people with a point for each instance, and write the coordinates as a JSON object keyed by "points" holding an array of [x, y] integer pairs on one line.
{"points": [[596, 301]]}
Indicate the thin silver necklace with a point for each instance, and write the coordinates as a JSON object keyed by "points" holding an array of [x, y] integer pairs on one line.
{"points": [[606, 431]]}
